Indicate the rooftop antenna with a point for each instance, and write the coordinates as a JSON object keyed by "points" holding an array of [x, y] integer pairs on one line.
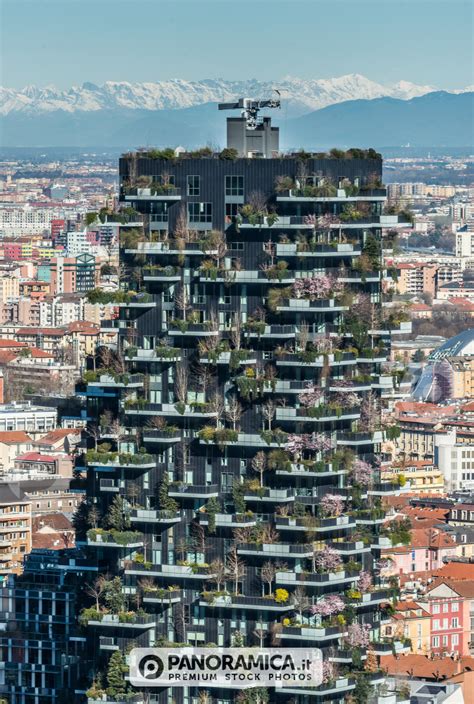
{"points": [[250, 108]]}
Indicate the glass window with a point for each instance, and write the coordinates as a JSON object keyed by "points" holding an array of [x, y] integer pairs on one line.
{"points": [[231, 211], [200, 212], [194, 185], [234, 185]]}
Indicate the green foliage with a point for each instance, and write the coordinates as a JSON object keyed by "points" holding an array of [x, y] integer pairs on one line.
{"points": [[113, 595], [238, 492], [229, 154], [116, 674], [167, 154], [166, 502], [91, 218], [212, 507], [116, 517], [120, 537], [279, 459]]}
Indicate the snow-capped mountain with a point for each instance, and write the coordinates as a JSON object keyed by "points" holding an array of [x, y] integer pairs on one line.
{"points": [[300, 94]]}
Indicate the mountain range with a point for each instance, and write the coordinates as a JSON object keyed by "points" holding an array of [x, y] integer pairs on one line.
{"points": [[348, 110]]}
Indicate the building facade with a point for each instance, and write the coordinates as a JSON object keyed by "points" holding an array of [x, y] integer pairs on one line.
{"points": [[245, 464]]}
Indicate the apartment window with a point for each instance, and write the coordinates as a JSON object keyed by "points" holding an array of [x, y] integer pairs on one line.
{"points": [[455, 606], [435, 641], [231, 211], [454, 623], [454, 639], [200, 212], [445, 608], [234, 185], [194, 185], [436, 625], [435, 609], [237, 246]]}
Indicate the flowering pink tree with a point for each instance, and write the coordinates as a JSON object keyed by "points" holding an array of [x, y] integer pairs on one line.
{"points": [[330, 605], [362, 472], [296, 444], [320, 286], [331, 505], [311, 396], [358, 635], [365, 582], [345, 397], [329, 672], [327, 560]]}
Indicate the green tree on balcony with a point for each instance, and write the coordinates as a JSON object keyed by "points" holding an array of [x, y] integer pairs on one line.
{"points": [[116, 675], [117, 517]]}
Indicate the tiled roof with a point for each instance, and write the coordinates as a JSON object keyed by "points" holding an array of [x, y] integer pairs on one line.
{"points": [[423, 667], [456, 571], [14, 437]]}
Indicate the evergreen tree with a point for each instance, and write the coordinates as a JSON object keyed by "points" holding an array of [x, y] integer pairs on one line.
{"points": [[115, 674], [117, 518], [165, 502]]}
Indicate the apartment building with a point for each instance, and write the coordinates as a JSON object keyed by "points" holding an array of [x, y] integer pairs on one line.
{"points": [[77, 274], [233, 336], [15, 528]]}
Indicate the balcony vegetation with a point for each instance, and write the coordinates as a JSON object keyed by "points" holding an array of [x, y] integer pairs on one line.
{"points": [[121, 458], [121, 537], [101, 297]]}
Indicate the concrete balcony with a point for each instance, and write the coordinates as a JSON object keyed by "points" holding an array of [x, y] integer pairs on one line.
{"points": [[192, 491], [169, 410], [303, 305], [142, 515], [358, 439], [402, 328], [348, 547], [163, 597], [319, 361], [192, 330], [225, 520], [170, 355], [341, 196], [319, 525], [277, 550], [251, 276], [111, 621], [332, 692], [121, 540], [151, 194], [121, 381], [198, 572], [313, 579], [327, 415], [270, 495], [334, 249], [312, 634], [161, 437], [250, 603]]}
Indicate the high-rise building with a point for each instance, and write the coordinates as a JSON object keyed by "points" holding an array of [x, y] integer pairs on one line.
{"points": [[236, 483]]}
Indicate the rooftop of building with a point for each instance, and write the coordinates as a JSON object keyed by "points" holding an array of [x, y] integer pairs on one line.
{"points": [[24, 407], [425, 667], [14, 437], [461, 344]]}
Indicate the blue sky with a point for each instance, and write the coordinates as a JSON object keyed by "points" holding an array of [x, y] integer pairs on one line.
{"points": [[67, 42]]}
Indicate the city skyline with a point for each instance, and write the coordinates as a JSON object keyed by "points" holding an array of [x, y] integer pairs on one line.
{"points": [[424, 43]]}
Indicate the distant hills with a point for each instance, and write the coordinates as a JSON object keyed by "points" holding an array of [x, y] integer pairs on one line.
{"points": [[437, 119], [184, 113]]}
